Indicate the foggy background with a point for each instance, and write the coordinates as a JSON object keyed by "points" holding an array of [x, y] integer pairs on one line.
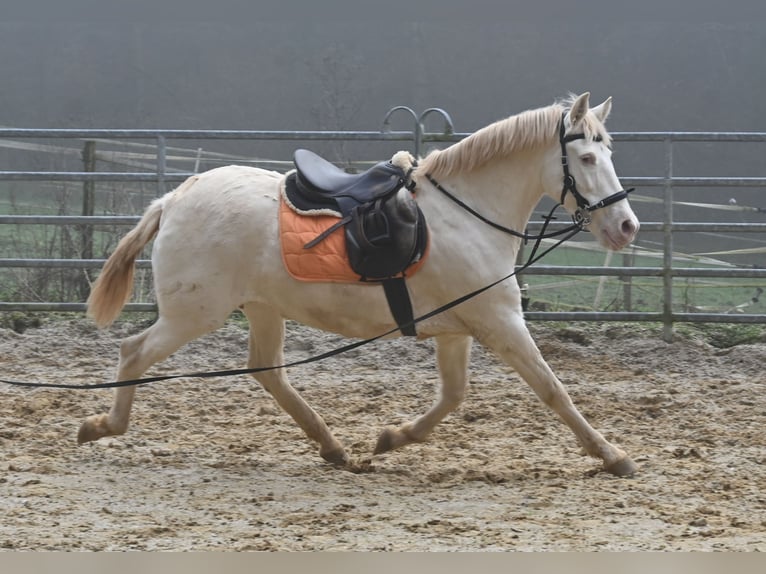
{"points": [[300, 74]]}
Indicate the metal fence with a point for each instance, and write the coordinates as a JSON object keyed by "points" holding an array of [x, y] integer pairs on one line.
{"points": [[163, 177]]}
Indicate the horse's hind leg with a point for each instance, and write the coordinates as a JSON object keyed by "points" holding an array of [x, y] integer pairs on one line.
{"points": [[138, 353], [452, 354], [267, 334]]}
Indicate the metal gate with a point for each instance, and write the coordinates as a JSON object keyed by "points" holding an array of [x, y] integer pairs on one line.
{"points": [[152, 161]]}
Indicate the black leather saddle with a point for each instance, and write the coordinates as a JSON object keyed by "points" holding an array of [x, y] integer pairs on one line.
{"points": [[322, 185], [385, 230]]}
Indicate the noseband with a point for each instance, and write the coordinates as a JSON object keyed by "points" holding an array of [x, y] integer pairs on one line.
{"points": [[582, 214]]}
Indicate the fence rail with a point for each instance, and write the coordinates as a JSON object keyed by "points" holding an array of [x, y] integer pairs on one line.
{"points": [[161, 175]]}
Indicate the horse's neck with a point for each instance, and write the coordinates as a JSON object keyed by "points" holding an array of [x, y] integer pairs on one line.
{"points": [[504, 192]]}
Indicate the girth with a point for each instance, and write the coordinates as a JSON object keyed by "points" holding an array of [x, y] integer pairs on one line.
{"points": [[385, 230]]}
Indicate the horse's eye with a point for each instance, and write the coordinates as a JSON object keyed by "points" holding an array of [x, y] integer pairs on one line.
{"points": [[588, 159]]}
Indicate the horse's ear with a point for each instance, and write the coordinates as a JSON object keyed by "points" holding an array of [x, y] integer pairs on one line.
{"points": [[602, 110], [579, 109]]}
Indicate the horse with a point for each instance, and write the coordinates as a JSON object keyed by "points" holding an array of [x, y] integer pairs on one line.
{"points": [[216, 249]]}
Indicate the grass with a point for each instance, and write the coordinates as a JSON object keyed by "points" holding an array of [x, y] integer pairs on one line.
{"points": [[610, 293], [719, 335]]}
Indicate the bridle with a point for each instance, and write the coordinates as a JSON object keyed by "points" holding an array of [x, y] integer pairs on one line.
{"points": [[581, 217]]}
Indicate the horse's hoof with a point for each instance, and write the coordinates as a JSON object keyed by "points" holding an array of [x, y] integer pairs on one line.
{"points": [[336, 456], [87, 433], [623, 467], [385, 441], [92, 429]]}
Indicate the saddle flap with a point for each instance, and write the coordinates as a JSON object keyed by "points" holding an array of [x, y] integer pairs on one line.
{"points": [[385, 237]]}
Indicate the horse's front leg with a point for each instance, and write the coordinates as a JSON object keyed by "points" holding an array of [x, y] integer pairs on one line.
{"points": [[452, 353], [515, 345]]}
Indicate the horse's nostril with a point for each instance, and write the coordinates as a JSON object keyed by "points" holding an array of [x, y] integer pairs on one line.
{"points": [[629, 228]]}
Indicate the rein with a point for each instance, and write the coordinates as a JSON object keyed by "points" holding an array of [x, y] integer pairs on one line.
{"points": [[584, 209]]}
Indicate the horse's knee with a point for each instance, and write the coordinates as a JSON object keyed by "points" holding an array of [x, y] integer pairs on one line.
{"points": [[130, 353]]}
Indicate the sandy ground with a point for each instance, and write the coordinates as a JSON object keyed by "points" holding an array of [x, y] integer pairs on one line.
{"points": [[215, 465]]}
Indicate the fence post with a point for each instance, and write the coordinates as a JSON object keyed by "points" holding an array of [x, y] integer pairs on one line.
{"points": [[449, 127], [667, 255], [628, 260], [88, 210], [416, 136], [161, 165]]}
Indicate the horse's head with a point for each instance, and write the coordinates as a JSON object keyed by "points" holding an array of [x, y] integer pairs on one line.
{"points": [[591, 190]]}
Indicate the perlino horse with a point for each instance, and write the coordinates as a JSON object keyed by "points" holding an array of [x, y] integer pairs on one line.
{"points": [[216, 248]]}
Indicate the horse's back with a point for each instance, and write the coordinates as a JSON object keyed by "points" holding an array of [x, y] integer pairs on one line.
{"points": [[220, 186], [220, 203]]}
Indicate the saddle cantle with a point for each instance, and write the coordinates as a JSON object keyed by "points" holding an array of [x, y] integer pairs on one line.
{"points": [[321, 184], [385, 230]]}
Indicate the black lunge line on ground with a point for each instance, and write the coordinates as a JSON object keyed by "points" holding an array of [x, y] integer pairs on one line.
{"points": [[231, 372]]}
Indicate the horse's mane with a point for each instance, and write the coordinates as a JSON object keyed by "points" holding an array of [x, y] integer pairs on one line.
{"points": [[527, 130]]}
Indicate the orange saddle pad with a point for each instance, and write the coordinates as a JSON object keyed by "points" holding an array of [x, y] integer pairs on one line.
{"points": [[327, 261]]}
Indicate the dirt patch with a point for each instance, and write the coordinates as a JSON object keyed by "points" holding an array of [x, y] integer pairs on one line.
{"points": [[214, 464]]}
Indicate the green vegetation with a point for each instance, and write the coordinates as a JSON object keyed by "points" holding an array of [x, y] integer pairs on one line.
{"points": [[612, 293], [32, 241], [18, 321], [719, 335]]}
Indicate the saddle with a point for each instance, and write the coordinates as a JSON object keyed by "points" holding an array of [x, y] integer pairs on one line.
{"points": [[385, 230], [321, 184]]}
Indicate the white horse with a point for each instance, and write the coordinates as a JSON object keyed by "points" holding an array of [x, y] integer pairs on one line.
{"points": [[216, 248]]}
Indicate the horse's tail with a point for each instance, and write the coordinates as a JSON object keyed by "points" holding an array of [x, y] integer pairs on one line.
{"points": [[114, 285]]}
